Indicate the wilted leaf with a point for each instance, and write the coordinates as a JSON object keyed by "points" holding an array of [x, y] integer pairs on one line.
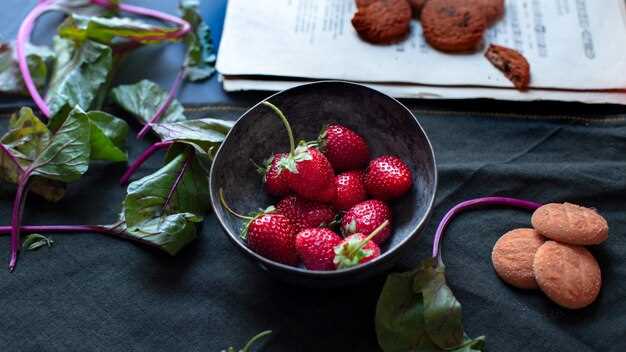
{"points": [[25, 139], [35, 241], [38, 58]]}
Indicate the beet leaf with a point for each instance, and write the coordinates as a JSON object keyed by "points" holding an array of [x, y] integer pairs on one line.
{"points": [[80, 73], [162, 208], [417, 311], [200, 58], [104, 30], [143, 99], [39, 60]]}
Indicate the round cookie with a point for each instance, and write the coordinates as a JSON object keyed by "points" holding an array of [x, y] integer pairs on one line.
{"points": [[513, 254], [570, 223], [383, 21], [569, 275], [453, 25], [492, 10]]}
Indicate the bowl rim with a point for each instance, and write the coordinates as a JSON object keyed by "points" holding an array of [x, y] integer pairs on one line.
{"points": [[320, 273]]}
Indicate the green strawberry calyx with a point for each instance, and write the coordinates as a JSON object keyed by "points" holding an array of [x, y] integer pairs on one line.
{"points": [[351, 252], [248, 218], [290, 162]]}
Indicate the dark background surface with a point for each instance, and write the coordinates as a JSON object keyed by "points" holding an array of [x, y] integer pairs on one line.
{"points": [[94, 293]]}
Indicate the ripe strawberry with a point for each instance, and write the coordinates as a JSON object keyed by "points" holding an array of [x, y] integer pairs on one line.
{"points": [[350, 189], [273, 236], [387, 177], [309, 174], [344, 148], [275, 181], [305, 214], [268, 233], [365, 217], [358, 249], [316, 248]]}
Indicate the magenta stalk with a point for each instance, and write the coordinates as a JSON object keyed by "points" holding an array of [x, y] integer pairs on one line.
{"points": [[28, 229], [471, 204], [23, 37], [16, 217], [142, 159], [26, 28], [171, 95]]}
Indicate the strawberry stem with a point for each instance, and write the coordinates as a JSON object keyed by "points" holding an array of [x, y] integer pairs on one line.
{"points": [[254, 339], [225, 205], [292, 142], [369, 237]]}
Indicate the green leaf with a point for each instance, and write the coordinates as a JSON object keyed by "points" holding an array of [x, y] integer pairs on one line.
{"points": [[25, 139], [107, 135], [38, 58], [442, 311], [80, 74], [143, 99], [170, 233], [66, 157], [35, 241], [200, 58], [162, 208], [202, 134], [417, 311], [400, 316], [105, 29]]}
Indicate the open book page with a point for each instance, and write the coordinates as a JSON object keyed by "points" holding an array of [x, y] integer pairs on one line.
{"points": [[570, 44]]}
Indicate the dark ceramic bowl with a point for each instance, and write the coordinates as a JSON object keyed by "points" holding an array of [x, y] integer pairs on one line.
{"points": [[387, 125]]}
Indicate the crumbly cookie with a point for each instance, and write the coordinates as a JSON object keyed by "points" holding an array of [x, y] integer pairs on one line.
{"points": [[512, 64], [513, 254], [492, 9], [383, 21], [569, 275], [570, 223], [417, 6], [453, 25]]}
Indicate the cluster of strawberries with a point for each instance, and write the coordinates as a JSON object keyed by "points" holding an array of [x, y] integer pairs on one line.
{"points": [[323, 184]]}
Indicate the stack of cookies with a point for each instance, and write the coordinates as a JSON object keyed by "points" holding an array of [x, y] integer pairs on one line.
{"points": [[551, 256]]}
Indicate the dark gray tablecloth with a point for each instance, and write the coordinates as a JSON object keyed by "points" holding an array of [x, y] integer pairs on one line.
{"points": [[94, 293]]}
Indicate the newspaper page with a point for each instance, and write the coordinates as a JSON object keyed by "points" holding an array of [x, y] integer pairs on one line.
{"points": [[570, 44]]}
